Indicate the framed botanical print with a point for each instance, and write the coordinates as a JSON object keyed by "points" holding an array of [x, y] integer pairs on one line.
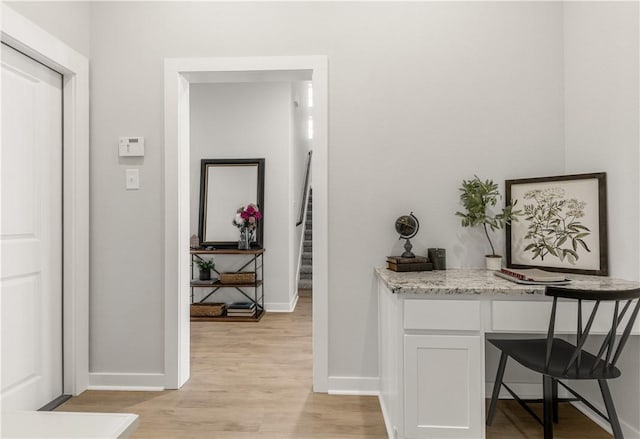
{"points": [[562, 226]]}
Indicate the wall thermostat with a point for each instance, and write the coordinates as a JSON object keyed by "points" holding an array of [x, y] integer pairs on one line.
{"points": [[131, 146]]}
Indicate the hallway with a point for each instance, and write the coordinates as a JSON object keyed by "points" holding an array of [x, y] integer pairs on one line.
{"points": [[247, 381]]}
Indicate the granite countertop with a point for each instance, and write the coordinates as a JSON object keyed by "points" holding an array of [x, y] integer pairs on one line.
{"points": [[485, 282]]}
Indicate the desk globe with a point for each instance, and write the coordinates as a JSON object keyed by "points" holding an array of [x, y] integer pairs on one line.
{"points": [[407, 227]]}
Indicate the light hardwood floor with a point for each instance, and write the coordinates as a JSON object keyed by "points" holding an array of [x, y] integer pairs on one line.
{"points": [[253, 380], [248, 380], [512, 422]]}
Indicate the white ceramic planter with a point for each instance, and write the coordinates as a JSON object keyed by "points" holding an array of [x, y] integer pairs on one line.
{"points": [[494, 263]]}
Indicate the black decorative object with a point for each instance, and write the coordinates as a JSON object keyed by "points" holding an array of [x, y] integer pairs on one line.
{"points": [[205, 265], [438, 257], [407, 227], [205, 274], [226, 185], [564, 226]]}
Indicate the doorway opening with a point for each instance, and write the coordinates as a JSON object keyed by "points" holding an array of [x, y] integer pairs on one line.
{"points": [[180, 75], [305, 217], [235, 123]]}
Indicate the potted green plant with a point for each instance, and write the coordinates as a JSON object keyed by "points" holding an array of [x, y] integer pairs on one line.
{"points": [[205, 265], [478, 198]]}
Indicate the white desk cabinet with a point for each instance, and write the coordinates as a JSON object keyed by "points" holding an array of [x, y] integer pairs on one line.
{"points": [[432, 330], [443, 386], [432, 376]]}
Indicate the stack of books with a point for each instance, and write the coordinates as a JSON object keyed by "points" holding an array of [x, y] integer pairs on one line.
{"points": [[241, 309], [417, 263], [532, 276]]}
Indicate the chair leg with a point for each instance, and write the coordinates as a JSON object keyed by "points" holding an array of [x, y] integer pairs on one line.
{"points": [[547, 392], [554, 389], [611, 409], [496, 388]]}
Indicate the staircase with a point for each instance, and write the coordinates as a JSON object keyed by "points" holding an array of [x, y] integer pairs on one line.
{"points": [[305, 283]]}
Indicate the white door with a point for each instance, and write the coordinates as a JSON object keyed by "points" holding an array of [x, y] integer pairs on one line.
{"points": [[30, 232]]}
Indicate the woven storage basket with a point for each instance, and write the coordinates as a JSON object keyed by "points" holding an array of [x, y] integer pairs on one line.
{"points": [[207, 309], [240, 277]]}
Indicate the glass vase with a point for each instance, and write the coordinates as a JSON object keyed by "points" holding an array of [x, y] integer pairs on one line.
{"points": [[244, 243]]}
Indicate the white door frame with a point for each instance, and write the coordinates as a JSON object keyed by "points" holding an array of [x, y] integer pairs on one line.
{"points": [[177, 271], [31, 40]]}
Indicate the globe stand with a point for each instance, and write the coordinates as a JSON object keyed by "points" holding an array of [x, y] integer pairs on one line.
{"points": [[407, 247], [407, 227]]}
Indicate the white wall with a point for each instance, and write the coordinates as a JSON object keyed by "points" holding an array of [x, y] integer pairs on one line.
{"points": [[301, 141], [421, 96], [602, 125], [602, 114], [301, 148], [68, 21], [249, 120]]}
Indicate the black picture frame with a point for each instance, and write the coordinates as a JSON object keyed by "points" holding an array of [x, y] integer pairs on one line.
{"points": [[564, 219], [219, 176]]}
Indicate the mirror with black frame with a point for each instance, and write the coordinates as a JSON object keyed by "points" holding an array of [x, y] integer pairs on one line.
{"points": [[225, 186]]}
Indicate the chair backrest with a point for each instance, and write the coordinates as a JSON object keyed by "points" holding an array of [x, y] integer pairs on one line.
{"points": [[623, 300]]}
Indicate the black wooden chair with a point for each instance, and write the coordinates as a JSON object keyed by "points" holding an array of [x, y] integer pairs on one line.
{"points": [[557, 359]]}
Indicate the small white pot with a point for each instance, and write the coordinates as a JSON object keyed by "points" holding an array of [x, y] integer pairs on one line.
{"points": [[494, 263]]}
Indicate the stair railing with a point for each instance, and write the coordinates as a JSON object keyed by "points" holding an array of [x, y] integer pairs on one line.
{"points": [[305, 191]]}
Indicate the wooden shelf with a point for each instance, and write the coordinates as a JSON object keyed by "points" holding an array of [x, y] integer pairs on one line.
{"points": [[253, 290], [218, 284], [228, 251], [255, 318]]}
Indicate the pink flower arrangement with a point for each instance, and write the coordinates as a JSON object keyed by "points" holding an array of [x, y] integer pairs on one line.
{"points": [[247, 217]]}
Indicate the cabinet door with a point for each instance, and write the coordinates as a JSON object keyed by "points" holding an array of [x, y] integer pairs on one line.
{"points": [[443, 387]]}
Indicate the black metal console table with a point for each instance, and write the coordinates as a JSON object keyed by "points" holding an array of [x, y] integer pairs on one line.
{"points": [[254, 264]]}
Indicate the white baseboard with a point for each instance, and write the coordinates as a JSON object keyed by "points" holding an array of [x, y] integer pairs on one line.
{"points": [[282, 306], [387, 421], [364, 386], [148, 382]]}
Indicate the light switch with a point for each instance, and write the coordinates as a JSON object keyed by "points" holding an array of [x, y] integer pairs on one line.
{"points": [[131, 146], [133, 179]]}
